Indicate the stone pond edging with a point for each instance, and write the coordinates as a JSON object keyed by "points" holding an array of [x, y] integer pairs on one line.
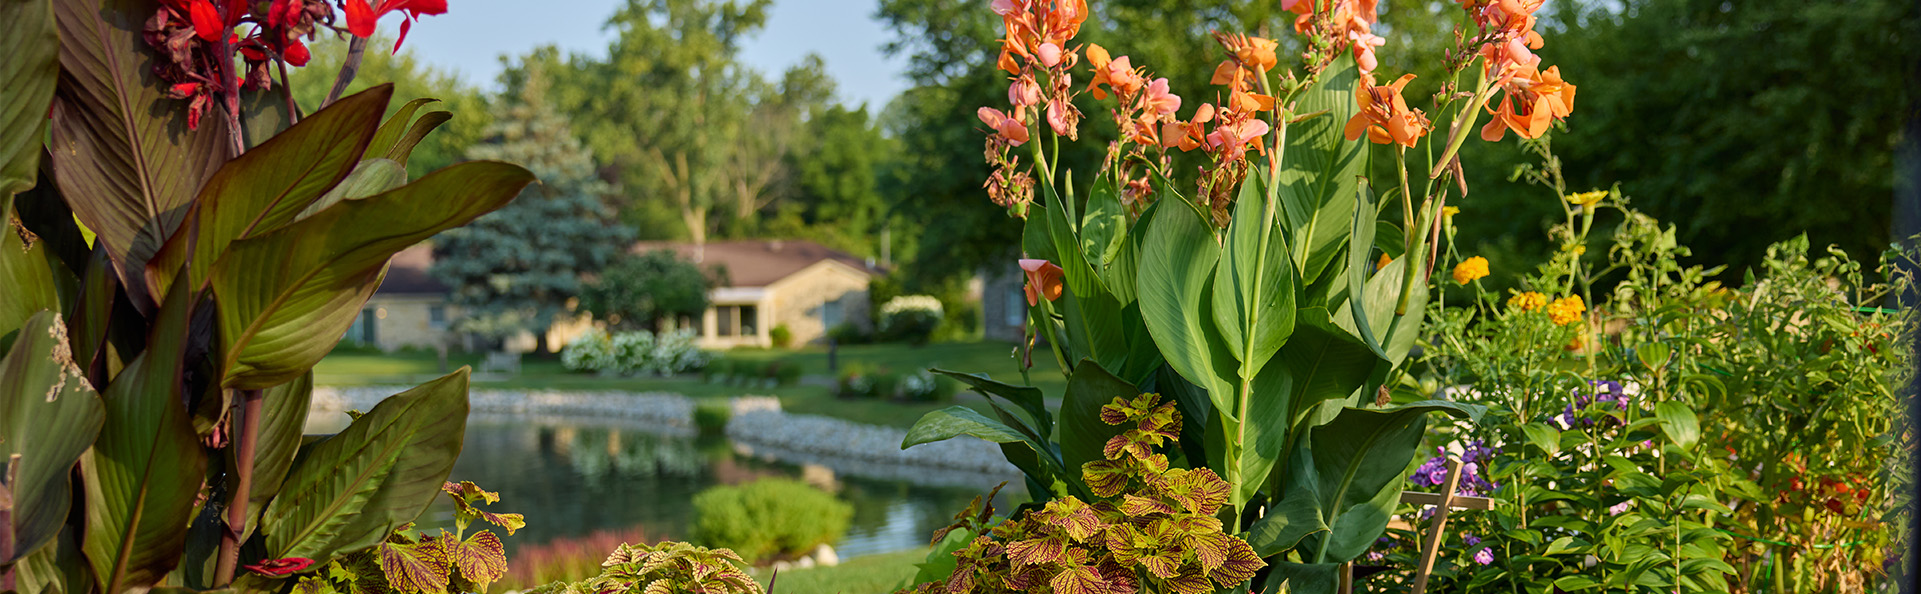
{"points": [[757, 422]]}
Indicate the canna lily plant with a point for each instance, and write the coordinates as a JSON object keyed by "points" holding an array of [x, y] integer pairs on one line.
{"points": [[170, 281], [1271, 295]]}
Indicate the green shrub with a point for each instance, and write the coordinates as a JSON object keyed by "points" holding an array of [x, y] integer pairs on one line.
{"points": [[910, 318], [886, 385], [855, 381], [787, 374], [848, 333], [769, 517], [711, 417], [782, 336], [741, 373]]}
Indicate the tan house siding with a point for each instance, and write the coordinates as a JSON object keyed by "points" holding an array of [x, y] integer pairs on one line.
{"points": [[804, 301], [403, 320]]}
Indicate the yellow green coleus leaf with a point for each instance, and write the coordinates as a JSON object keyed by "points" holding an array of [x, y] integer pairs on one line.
{"points": [[1045, 549], [416, 568], [481, 558], [1199, 490], [1073, 516]]}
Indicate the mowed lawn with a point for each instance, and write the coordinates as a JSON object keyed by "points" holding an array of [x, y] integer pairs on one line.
{"points": [[354, 367]]}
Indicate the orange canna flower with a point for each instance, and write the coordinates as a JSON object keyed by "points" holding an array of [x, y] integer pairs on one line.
{"points": [[1043, 280], [1117, 73], [1529, 105], [1385, 117], [1158, 100], [1253, 53], [1006, 126], [1232, 137], [1188, 135]]}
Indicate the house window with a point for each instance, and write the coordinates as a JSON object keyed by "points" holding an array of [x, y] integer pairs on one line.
{"points": [[363, 330], [738, 320], [1016, 310], [830, 314], [437, 316]]}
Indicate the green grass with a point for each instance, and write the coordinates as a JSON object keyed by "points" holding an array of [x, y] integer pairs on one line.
{"points": [[871, 574], [355, 367]]}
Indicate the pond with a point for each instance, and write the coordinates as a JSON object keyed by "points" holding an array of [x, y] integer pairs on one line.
{"points": [[572, 477]]}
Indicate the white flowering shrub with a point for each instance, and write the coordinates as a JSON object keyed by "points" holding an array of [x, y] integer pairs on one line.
{"points": [[592, 351], [919, 386], [635, 353], [911, 318]]}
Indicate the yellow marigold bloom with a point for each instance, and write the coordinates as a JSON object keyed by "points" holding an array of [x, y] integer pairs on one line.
{"points": [[1528, 301], [1470, 269], [1566, 310], [1587, 198], [1450, 211], [1383, 262]]}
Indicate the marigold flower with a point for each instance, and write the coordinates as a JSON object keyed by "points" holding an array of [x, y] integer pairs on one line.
{"points": [[1385, 117], [1043, 280], [1448, 212], [1006, 126], [1527, 301], [1566, 310], [1470, 269], [1383, 262]]}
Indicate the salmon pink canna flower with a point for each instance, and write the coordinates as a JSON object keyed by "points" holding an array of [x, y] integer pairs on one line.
{"points": [[362, 17], [1159, 100], [1117, 73], [1043, 280], [1006, 126]]}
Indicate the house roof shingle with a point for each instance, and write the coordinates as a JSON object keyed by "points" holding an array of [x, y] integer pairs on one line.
{"points": [[407, 273], [756, 262]]}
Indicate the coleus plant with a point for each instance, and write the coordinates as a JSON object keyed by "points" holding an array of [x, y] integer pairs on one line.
{"points": [[170, 287], [424, 563], [1265, 295]]}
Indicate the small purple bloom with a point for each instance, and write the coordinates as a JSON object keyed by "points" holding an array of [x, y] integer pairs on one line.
{"points": [[1485, 557]]}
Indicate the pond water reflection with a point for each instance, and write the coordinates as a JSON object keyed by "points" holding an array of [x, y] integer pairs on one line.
{"points": [[573, 476]]}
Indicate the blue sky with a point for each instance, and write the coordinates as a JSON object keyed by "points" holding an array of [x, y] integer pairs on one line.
{"points": [[472, 36]]}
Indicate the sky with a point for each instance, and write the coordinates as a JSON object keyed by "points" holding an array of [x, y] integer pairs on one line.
{"points": [[472, 36]]}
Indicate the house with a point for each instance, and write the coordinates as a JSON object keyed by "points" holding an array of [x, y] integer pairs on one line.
{"points": [[409, 309], [1003, 302], [764, 283]]}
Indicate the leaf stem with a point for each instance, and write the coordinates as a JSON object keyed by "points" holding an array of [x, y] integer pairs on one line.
{"points": [[347, 70], [247, 433], [286, 92]]}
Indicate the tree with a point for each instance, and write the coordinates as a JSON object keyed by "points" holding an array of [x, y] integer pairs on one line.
{"points": [[411, 80], [666, 103], [835, 198], [640, 290], [516, 268]]}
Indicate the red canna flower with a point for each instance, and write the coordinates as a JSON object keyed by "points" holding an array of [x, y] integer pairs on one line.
{"points": [[1043, 280], [281, 567], [361, 17]]}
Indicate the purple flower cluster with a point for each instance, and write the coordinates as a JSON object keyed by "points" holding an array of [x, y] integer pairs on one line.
{"points": [[1473, 459], [1601, 392]]}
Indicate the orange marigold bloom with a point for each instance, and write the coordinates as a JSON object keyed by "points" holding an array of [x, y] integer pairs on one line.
{"points": [[1385, 117], [1043, 280], [1566, 310], [1470, 269], [1527, 301]]}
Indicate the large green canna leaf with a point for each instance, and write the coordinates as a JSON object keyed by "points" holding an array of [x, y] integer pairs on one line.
{"points": [[1317, 185], [1351, 470], [1021, 448], [351, 489], [1178, 256], [144, 472], [122, 153], [27, 77], [49, 415], [263, 189], [1028, 398], [286, 297], [283, 418], [1083, 433], [57, 568], [27, 272], [1255, 286]]}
